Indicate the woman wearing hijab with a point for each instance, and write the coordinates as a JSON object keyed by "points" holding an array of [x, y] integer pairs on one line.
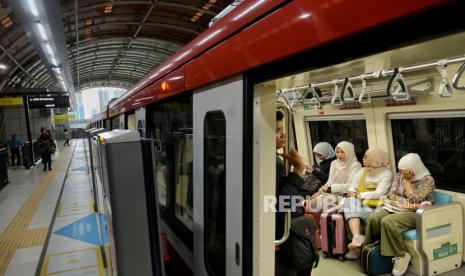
{"points": [[368, 186], [341, 173], [413, 186], [324, 155]]}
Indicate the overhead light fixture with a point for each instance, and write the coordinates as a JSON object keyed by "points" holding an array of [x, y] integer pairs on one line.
{"points": [[48, 48], [53, 61], [41, 29], [3, 67], [33, 7]]}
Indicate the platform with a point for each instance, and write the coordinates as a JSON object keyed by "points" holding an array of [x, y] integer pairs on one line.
{"points": [[60, 200]]}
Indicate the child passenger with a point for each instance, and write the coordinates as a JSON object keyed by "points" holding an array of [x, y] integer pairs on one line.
{"points": [[341, 173], [368, 186], [412, 187]]}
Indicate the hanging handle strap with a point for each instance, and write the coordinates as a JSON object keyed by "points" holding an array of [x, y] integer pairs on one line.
{"points": [[457, 77], [364, 97], [445, 88], [347, 88], [311, 98], [397, 88], [336, 100]]}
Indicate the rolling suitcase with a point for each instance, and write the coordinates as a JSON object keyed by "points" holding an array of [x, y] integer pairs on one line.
{"points": [[372, 262], [333, 234]]}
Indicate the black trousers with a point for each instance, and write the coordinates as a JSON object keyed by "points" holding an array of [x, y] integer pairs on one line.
{"points": [[15, 154], [66, 142], [46, 159]]}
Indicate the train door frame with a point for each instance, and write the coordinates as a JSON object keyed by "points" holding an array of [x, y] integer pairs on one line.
{"points": [[226, 97]]}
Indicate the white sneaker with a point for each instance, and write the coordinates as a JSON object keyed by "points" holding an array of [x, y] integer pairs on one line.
{"points": [[401, 264]]}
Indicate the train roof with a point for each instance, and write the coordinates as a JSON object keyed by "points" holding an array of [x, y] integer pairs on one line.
{"points": [[258, 32]]}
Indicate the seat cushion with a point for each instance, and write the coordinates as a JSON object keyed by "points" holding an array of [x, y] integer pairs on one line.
{"points": [[410, 234]]}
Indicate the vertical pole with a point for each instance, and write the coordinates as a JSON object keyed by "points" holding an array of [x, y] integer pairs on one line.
{"points": [[28, 129]]}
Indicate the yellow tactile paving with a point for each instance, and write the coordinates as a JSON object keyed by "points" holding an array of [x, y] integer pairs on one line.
{"points": [[17, 235]]}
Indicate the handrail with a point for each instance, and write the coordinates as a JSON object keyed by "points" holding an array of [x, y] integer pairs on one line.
{"points": [[287, 228]]}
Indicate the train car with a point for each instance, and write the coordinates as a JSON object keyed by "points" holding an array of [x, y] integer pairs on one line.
{"points": [[374, 73]]}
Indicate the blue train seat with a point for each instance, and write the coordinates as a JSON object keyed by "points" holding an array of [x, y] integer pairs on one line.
{"points": [[436, 243]]}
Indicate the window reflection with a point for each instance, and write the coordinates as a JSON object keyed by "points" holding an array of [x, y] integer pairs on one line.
{"points": [[440, 142], [334, 132], [215, 192]]}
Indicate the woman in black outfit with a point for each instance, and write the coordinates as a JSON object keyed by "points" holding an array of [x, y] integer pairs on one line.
{"points": [[324, 155], [46, 147]]}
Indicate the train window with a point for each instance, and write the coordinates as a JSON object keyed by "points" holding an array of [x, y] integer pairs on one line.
{"points": [[170, 125], [440, 141], [335, 130], [160, 135], [215, 192], [183, 176]]}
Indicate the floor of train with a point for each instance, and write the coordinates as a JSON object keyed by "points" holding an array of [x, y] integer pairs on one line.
{"points": [[335, 267]]}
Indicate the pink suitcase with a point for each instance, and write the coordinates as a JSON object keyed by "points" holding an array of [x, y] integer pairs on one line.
{"points": [[333, 234]]}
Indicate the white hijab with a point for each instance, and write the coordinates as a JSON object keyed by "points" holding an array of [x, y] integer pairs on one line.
{"points": [[325, 149], [412, 161], [351, 159]]}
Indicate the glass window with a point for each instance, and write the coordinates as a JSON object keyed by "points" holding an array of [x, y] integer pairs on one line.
{"points": [[440, 142], [171, 128], [215, 192], [183, 176], [336, 131]]}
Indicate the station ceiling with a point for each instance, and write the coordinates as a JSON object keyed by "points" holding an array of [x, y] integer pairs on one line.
{"points": [[119, 42]]}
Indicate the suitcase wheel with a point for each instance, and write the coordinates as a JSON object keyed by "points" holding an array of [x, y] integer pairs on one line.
{"points": [[325, 255], [341, 258]]}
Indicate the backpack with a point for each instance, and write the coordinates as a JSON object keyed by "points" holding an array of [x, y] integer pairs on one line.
{"points": [[311, 184], [300, 248]]}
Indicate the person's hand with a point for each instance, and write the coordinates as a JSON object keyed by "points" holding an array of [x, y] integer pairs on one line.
{"points": [[316, 194], [308, 169], [351, 194], [325, 188], [407, 174], [295, 160]]}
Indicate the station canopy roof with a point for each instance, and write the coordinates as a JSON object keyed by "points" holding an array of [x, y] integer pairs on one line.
{"points": [[119, 41]]}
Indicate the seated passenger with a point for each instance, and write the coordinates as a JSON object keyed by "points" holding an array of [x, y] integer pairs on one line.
{"points": [[315, 177], [368, 185], [324, 155], [341, 173], [412, 186]]}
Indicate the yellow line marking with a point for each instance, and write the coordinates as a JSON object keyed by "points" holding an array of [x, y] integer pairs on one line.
{"points": [[74, 269], [17, 235], [60, 207]]}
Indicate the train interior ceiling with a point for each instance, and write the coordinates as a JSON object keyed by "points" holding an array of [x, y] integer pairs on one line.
{"points": [[437, 135]]}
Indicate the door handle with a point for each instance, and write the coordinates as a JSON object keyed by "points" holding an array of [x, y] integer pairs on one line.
{"points": [[238, 254]]}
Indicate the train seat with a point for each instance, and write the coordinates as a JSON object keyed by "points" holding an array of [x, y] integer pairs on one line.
{"points": [[436, 243]]}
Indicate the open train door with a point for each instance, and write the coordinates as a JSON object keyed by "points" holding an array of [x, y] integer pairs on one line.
{"points": [[218, 200]]}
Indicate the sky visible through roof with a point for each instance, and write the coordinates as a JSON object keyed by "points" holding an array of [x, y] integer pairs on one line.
{"points": [[92, 102]]}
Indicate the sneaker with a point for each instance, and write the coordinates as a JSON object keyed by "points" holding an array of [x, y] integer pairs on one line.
{"points": [[401, 264]]}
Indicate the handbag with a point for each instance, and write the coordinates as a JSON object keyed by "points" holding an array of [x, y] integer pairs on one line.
{"points": [[368, 186], [300, 248]]}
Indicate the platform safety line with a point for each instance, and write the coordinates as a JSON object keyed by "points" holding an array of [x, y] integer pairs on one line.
{"points": [[17, 235]]}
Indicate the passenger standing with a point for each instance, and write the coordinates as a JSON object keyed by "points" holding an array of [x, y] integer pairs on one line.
{"points": [[46, 147], [14, 144], [341, 173], [68, 136], [287, 186], [368, 186], [412, 188]]}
